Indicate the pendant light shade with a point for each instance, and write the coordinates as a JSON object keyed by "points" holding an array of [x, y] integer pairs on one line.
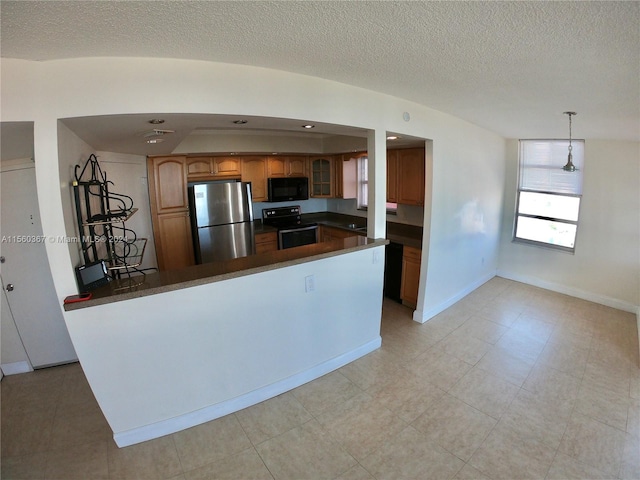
{"points": [[570, 167]]}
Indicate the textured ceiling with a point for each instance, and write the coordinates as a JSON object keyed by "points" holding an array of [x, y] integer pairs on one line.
{"points": [[512, 67]]}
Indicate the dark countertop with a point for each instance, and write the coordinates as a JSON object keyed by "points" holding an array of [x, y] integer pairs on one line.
{"points": [[160, 282], [259, 227], [410, 235]]}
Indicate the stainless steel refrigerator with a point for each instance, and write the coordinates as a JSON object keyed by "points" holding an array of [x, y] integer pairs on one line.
{"points": [[222, 220]]}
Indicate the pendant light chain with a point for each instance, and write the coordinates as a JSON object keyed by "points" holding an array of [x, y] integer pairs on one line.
{"points": [[569, 167], [570, 147]]}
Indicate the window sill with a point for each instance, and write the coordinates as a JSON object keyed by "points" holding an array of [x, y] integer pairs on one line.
{"points": [[545, 246]]}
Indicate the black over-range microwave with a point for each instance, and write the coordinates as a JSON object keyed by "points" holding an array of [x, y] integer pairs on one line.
{"points": [[288, 188]]}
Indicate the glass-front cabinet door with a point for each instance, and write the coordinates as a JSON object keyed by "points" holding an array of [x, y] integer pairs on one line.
{"points": [[321, 176]]}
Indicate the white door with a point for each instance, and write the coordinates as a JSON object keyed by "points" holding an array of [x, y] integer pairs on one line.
{"points": [[25, 271]]}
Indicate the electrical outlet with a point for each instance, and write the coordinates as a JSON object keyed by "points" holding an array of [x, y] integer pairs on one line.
{"points": [[309, 283]]}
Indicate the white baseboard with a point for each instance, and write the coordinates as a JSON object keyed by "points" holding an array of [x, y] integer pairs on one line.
{"points": [[421, 316], [16, 368], [188, 420], [573, 292]]}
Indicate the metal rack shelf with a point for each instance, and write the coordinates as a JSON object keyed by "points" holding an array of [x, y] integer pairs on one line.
{"points": [[99, 223], [114, 218]]}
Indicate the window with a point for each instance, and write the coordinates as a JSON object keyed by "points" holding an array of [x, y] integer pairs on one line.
{"points": [[363, 182], [548, 201], [363, 187]]}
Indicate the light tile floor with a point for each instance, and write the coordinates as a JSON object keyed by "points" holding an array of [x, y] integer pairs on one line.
{"points": [[512, 382]]}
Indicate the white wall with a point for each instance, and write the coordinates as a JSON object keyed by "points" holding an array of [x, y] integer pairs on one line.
{"points": [[468, 162], [221, 352], [129, 176], [606, 265], [72, 151], [465, 172]]}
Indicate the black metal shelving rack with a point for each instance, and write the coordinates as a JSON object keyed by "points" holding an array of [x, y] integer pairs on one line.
{"points": [[99, 223]]}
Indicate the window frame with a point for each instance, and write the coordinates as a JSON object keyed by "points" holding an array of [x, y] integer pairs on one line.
{"points": [[362, 165], [390, 207], [517, 213]]}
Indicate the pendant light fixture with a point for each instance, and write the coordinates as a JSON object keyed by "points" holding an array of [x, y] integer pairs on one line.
{"points": [[570, 167]]}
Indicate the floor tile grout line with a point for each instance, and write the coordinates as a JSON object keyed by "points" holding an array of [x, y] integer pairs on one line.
{"points": [[175, 446]]}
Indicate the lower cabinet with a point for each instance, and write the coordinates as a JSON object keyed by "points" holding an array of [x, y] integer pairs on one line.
{"points": [[327, 234], [410, 275], [266, 242]]}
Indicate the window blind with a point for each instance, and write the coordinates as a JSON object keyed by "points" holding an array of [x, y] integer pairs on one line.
{"points": [[541, 163]]}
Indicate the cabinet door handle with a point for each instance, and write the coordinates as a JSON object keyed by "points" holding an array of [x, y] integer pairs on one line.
{"points": [[10, 287]]}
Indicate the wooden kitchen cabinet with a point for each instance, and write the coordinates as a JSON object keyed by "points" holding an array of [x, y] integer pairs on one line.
{"points": [[254, 170], [170, 211], [411, 258], [266, 242], [322, 176], [410, 176], [338, 187], [176, 245], [206, 168], [287, 166], [199, 168], [168, 180], [227, 166], [392, 176], [327, 234]]}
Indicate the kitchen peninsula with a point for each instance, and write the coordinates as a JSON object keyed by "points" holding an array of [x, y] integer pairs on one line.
{"points": [[188, 346], [154, 283]]}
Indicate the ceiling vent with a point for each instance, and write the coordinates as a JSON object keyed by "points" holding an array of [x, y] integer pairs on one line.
{"points": [[157, 133]]}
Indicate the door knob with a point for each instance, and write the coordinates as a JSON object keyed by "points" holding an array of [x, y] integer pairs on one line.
{"points": [[10, 287], [2, 260]]}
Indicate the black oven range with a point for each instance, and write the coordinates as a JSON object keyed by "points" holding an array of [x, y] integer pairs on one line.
{"points": [[291, 231]]}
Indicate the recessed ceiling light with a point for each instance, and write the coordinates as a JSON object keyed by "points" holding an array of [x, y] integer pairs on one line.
{"points": [[155, 140], [240, 122], [308, 126], [156, 121]]}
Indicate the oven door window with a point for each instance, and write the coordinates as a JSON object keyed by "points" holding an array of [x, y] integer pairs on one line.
{"points": [[296, 237]]}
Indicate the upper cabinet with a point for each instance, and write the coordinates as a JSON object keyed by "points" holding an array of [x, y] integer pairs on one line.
{"points": [[287, 166], [322, 176], [226, 166], [203, 168], [198, 167], [410, 176], [168, 183], [392, 176], [254, 170]]}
